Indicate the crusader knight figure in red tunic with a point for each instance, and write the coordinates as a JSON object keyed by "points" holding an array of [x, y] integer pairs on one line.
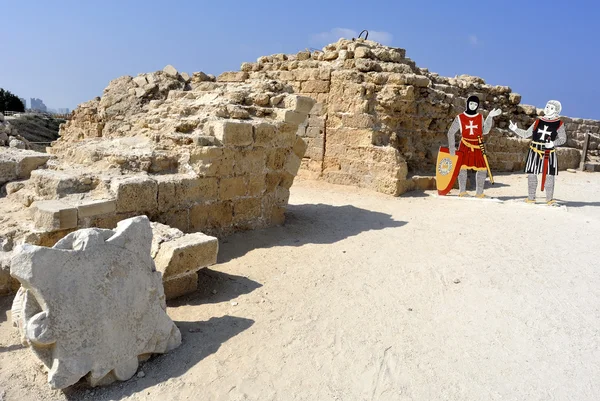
{"points": [[472, 127]]}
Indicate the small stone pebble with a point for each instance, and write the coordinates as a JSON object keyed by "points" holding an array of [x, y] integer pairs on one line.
{"points": [[410, 309], [141, 374], [234, 304], [214, 291], [456, 281]]}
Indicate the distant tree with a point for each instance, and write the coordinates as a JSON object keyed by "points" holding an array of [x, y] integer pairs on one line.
{"points": [[10, 102]]}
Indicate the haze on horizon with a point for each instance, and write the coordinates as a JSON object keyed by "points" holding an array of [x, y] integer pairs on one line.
{"points": [[66, 52]]}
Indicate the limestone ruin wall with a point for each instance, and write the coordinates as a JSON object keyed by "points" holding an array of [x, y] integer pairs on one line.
{"points": [[381, 118]]}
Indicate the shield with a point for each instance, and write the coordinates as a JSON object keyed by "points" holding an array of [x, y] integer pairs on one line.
{"points": [[447, 169]]}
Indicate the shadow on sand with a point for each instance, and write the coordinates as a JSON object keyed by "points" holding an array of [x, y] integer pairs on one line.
{"points": [[307, 224], [199, 340], [5, 305], [215, 287]]}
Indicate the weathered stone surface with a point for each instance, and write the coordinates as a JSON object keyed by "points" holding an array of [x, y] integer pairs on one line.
{"points": [[232, 133], [135, 194], [232, 76], [54, 215], [93, 305], [170, 71], [18, 163], [186, 254], [90, 208], [182, 285]]}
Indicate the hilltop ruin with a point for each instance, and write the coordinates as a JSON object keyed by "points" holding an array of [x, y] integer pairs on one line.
{"points": [[219, 154], [382, 119]]}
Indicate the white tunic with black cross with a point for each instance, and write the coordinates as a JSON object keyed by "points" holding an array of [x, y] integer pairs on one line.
{"points": [[543, 131]]}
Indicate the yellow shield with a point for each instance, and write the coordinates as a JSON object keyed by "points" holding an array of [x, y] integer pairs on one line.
{"points": [[447, 169]]}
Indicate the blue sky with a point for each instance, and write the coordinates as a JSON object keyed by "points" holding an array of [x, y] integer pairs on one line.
{"points": [[66, 52]]}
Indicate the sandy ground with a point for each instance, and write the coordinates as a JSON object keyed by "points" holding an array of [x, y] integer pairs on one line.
{"points": [[362, 296]]}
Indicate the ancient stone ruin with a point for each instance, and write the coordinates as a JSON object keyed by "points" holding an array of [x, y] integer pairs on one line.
{"points": [[197, 154], [93, 305], [381, 118]]}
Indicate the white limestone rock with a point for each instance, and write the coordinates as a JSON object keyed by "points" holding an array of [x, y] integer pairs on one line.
{"points": [[94, 304]]}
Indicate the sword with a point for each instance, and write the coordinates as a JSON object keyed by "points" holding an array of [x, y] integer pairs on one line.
{"points": [[545, 171], [487, 164]]}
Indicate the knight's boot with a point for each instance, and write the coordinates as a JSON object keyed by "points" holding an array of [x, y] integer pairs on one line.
{"points": [[550, 190], [462, 183], [531, 187], [480, 182]]}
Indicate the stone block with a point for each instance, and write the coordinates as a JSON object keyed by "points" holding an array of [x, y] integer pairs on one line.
{"points": [[90, 280], [272, 180], [211, 215], [362, 52], [232, 187], [349, 137], [287, 179], [314, 132], [314, 86], [300, 104], [264, 133], [186, 254], [135, 194], [177, 218], [256, 184], [276, 158], [300, 147], [233, 76], [246, 209], [91, 208], [282, 196], [292, 164], [8, 171], [179, 190], [54, 215], [250, 161], [292, 117], [179, 286], [232, 133], [358, 120], [170, 71], [30, 162], [54, 184], [286, 135], [424, 183], [316, 121]]}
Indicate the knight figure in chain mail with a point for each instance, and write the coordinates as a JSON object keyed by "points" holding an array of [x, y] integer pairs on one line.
{"points": [[472, 127], [546, 132]]}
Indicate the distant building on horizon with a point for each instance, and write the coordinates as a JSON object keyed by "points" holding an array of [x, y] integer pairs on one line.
{"points": [[22, 99], [63, 111], [37, 104]]}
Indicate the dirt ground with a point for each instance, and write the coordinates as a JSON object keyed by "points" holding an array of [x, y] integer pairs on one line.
{"points": [[363, 296]]}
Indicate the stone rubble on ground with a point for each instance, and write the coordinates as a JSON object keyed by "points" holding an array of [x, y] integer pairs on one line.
{"points": [[93, 305]]}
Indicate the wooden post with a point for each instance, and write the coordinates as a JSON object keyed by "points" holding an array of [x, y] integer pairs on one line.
{"points": [[586, 141]]}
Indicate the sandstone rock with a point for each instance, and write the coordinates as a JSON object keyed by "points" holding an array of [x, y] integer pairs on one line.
{"points": [[330, 55], [140, 81], [233, 76], [514, 98], [16, 143], [186, 254], [170, 71], [303, 56], [362, 52], [54, 215], [93, 305]]}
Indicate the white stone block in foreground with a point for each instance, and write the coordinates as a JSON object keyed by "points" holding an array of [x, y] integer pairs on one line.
{"points": [[94, 304]]}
